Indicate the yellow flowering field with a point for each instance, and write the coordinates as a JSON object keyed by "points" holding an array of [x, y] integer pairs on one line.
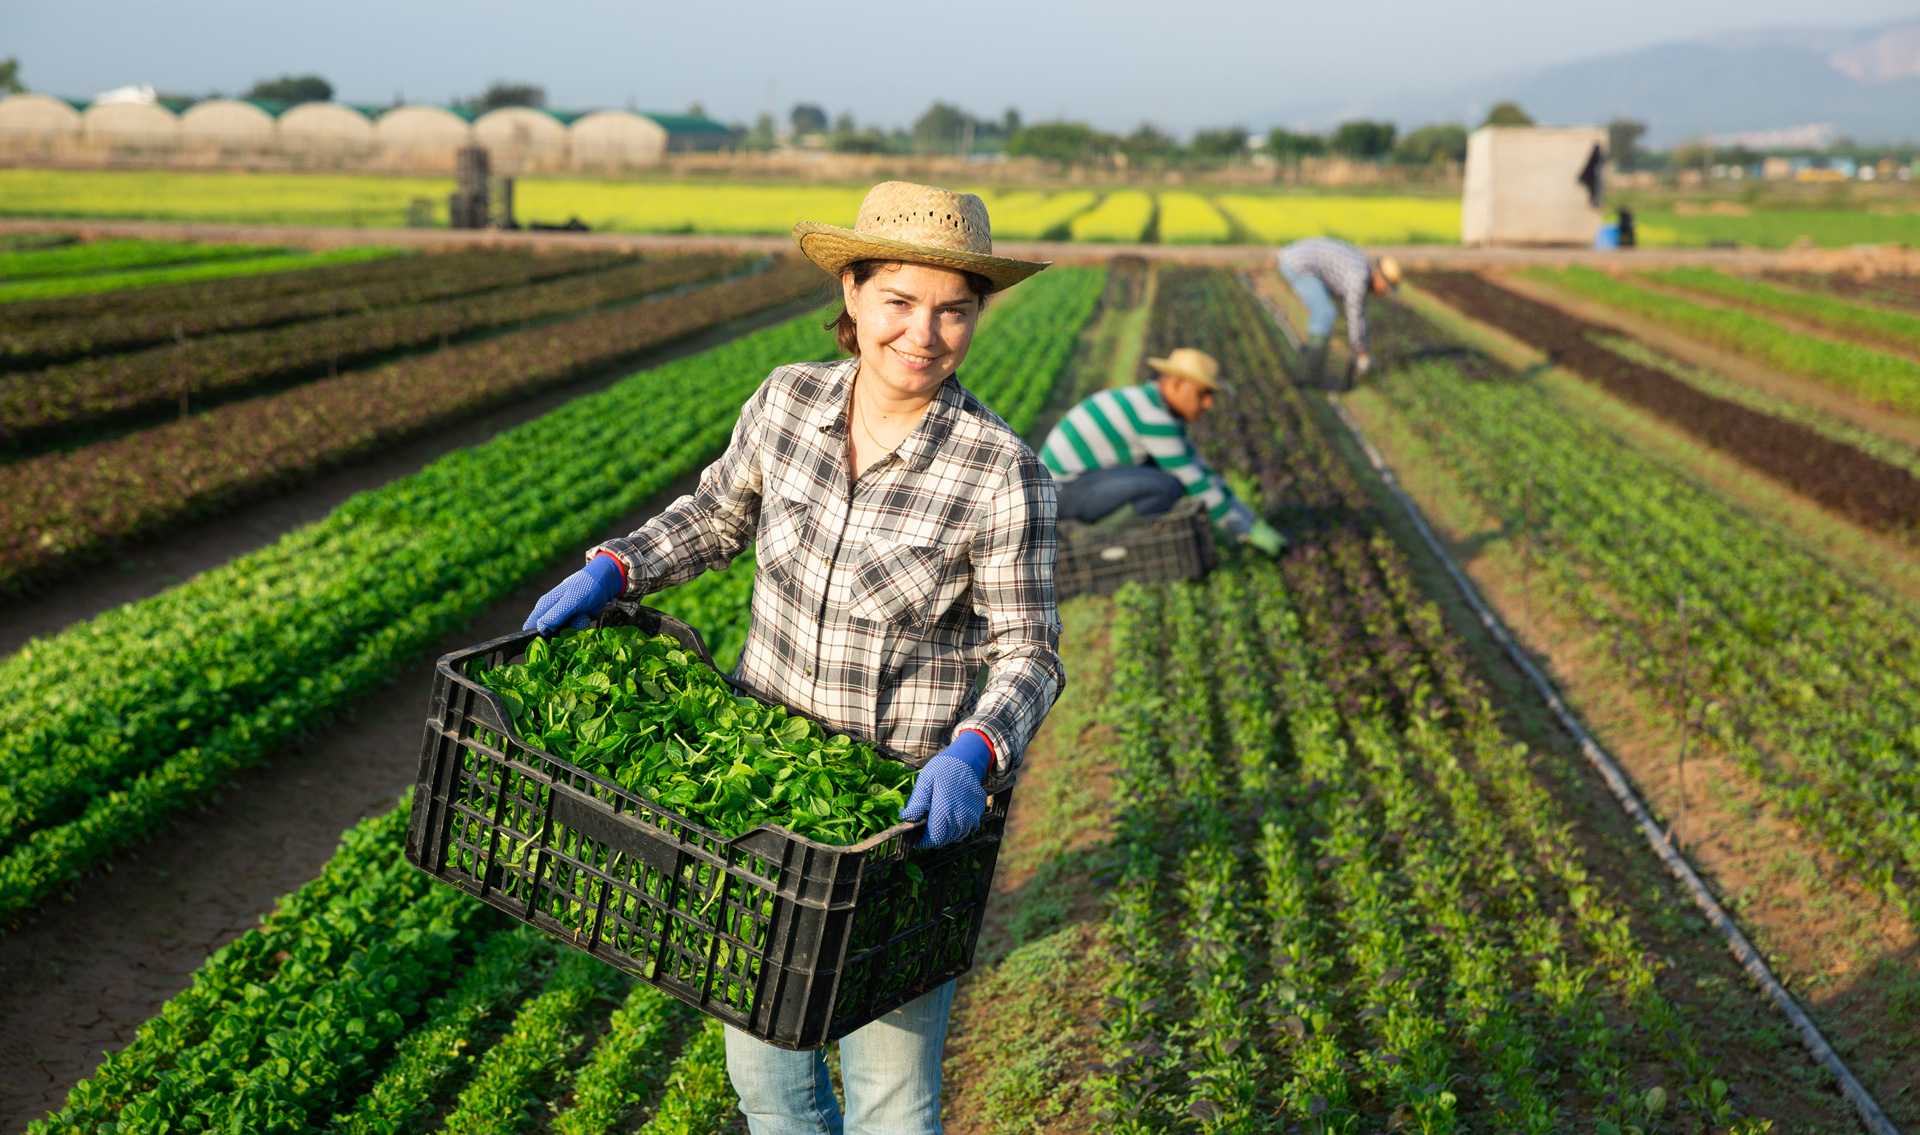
{"points": [[1121, 216], [1188, 218], [1033, 215], [262, 198]]}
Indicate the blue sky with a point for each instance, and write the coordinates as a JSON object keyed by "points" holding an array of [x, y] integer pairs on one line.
{"points": [[1186, 65]]}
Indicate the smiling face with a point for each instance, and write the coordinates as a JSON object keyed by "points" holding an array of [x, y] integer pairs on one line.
{"points": [[915, 323]]}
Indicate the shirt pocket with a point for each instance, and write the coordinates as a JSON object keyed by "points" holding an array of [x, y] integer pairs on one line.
{"points": [[895, 582], [782, 538]]}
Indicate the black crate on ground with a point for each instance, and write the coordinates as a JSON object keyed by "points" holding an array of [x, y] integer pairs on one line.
{"points": [[790, 940], [1176, 545]]}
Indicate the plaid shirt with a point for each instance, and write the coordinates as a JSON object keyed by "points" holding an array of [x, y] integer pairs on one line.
{"points": [[877, 601], [1343, 268]]}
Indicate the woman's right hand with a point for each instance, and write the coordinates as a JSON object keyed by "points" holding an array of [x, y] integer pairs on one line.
{"points": [[579, 597]]}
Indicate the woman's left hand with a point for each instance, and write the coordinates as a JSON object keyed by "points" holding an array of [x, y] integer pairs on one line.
{"points": [[948, 793]]}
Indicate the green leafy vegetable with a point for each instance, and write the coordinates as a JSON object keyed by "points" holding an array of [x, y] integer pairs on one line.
{"points": [[645, 714]]}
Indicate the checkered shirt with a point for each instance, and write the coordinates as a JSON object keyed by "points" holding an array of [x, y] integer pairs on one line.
{"points": [[876, 602], [1344, 269]]}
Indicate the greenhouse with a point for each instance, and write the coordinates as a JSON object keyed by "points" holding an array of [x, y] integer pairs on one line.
{"points": [[227, 125]]}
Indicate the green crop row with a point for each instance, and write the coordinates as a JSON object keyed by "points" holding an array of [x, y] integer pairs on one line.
{"points": [[349, 290], [62, 507], [149, 706], [1875, 376], [57, 287], [1346, 901], [193, 296], [1804, 676], [94, 390], [1860, 321], [114, 255]]}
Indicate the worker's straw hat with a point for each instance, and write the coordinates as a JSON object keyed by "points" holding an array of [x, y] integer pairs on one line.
{"points": [[1390, 270], [918, 224], [1189, 362]]}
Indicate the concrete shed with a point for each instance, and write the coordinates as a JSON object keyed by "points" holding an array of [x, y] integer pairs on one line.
{"points": [[37, 123], [325, 130], [130, 126], [227, 125], [520, 138], [616, 140], [1533, 185], [424, 136]]}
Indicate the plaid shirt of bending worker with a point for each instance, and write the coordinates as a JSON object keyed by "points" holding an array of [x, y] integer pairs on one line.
{"points": [[876, 602]]}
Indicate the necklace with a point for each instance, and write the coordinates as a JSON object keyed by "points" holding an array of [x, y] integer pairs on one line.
{"points": [[861, 417]]}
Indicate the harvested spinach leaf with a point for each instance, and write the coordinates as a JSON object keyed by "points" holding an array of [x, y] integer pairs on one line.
{"points": [[645, 714]]}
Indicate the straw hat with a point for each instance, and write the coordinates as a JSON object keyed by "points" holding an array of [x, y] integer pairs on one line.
{"points": [[1191, 363], [1390, 270], [918, 224]]}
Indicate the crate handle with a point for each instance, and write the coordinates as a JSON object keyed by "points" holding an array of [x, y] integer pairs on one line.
{"points": [[620, 832]]}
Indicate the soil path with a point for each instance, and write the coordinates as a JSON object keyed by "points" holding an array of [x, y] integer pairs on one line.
{"points": [[88, 971], [148, 567]]}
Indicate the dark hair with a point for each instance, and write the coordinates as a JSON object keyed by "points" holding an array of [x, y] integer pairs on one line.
{"points": [[847, 334]]}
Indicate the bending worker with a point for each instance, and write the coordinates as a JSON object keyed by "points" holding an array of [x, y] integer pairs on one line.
{"points": [[1319, 268], [905, 537], [1128, 448]]}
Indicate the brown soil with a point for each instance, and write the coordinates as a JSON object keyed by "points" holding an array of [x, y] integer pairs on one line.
{"points": [[1793, 388], [89, 970], [1847, 957]]}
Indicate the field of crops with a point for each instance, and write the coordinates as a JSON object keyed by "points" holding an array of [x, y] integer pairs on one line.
{"points": [[1295, 852]]}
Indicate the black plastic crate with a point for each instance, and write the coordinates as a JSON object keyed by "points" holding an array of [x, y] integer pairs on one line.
{"points": [[790, 940], [1176, 545]]}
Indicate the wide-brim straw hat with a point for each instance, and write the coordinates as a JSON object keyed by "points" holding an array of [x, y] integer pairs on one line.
{"points": [[915, 224], [1192, 363], [1390, 270]]}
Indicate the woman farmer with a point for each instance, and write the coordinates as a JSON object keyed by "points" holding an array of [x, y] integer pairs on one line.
{"points": [[905, 537]]}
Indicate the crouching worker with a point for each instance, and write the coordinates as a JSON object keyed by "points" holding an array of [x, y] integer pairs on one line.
{"points": [[1319, 268], [1127, 449]]}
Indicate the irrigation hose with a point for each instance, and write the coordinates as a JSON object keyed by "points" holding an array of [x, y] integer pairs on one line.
{"points": [[1743, 951]]}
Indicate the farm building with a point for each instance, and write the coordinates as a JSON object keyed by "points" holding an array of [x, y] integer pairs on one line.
{"points": [[37, 124], [1533, 185], [616, 140], [229, 126], [326, 130], [421, 136], [692, 133], [522, 139]]}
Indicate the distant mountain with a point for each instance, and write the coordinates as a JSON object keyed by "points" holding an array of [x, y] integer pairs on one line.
{"points": [[1865, 82]]}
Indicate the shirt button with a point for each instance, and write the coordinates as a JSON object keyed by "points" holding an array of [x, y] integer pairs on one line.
{"points": [[826, 561]]}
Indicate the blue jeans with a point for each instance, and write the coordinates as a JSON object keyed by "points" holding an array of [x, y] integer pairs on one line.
{"points": [[1096, 493], [891, 1069], [1314, 297]]}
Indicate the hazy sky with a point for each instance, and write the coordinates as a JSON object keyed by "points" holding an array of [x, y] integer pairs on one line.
{"points": [[1187, 64]]}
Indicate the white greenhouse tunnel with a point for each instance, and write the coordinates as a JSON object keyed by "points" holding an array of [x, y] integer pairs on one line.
{"points": [[414, 136]]}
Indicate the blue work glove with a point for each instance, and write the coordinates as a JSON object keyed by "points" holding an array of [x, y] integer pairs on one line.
{"points": [[947, 794], [579, 597]]}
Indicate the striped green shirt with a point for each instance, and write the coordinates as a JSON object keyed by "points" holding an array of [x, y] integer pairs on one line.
{"points": [[1132, 426]]}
